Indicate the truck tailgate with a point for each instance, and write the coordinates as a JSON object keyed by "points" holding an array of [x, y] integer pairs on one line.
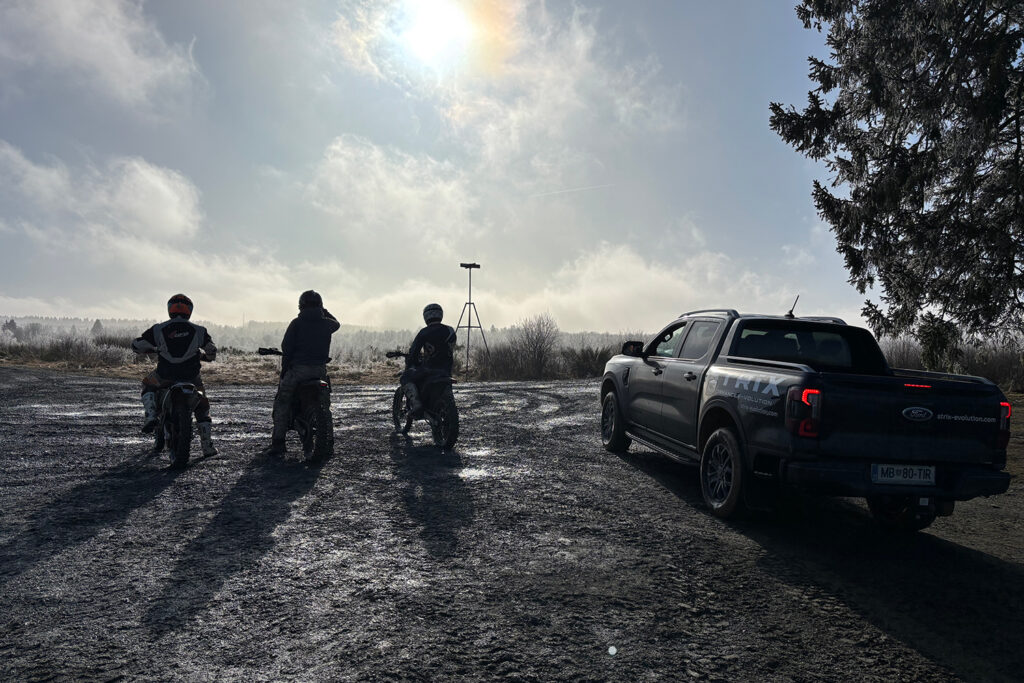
{"points": [[909, 419]]}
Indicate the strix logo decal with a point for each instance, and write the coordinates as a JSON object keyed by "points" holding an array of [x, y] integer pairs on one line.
{"points": [[917, 414]]}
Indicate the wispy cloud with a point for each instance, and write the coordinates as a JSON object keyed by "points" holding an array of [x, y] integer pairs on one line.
{"points": [[106, 45]]}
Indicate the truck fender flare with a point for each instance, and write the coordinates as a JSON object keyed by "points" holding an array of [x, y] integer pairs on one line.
{"points": [[714, 409], [611, 382]]}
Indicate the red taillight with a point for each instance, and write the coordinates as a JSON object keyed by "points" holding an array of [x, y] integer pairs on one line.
{"points": [[918, 386], [803, 411], [1005, 410]]}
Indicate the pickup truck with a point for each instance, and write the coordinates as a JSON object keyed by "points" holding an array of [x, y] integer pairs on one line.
{"points": [[767, 403]]}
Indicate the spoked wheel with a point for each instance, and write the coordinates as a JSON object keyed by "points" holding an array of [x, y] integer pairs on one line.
{"points": [[900, 514], [181, 436], [613, 429], [400, 412], [322, 424], [721, 474], [445, 427], [158, 438]]}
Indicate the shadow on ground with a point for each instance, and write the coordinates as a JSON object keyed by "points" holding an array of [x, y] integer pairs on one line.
{"points": [[433, 493], [85, 511], [234, 540], [957, 606]]}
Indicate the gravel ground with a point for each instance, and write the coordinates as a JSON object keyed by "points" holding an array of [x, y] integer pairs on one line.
{"points": [[529, 553]]}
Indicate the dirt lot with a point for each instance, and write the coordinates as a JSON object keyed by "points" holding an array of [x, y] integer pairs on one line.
{"points": [[528, 554]]}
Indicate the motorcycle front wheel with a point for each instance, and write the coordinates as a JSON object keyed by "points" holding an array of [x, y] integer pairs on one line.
{"points": [[446, 420], [400, 412]]}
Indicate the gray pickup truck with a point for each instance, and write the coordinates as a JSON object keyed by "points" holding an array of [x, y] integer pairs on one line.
{"points": [[763, 403]]}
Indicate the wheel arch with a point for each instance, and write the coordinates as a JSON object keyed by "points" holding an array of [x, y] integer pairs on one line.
{"points": [[611, 383], [714, 417]]}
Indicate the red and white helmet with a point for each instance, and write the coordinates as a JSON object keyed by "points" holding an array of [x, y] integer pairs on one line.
{"points": [[179, 306]]}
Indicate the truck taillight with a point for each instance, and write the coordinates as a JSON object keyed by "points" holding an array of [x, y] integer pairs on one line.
{"points": [[803, 411], [1005, 411]]}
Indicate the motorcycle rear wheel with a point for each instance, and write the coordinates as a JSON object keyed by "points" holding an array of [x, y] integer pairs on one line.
{"points": [[181, 436], [322, 425], [445, 427]]}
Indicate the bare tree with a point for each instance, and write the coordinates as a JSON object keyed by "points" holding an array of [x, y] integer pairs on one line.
{"points": [[536, 340]]}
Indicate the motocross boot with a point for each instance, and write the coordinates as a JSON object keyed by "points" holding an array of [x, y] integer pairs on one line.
{"points": [[206, 438], [149, 404], [276, 447], [412, 395]]}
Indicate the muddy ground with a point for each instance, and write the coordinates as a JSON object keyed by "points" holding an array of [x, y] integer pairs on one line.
{"points": [[529, 553]]}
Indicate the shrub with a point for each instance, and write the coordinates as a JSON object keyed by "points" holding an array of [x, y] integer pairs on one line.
{"points": [[535, 340], [587, 361]]}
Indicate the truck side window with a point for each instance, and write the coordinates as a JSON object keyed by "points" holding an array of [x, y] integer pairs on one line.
{"points": [[699, 340], [668, 342]]}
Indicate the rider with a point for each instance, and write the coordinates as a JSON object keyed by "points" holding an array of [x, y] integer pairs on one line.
{"points": [[431, 354], [306, 350], [178, 343]]}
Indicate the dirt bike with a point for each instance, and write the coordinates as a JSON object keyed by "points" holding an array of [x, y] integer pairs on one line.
{"points": [[310, 414], [176, 403], [439, 408]]}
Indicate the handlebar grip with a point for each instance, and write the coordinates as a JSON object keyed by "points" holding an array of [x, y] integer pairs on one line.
{"points": [[263, 351]]}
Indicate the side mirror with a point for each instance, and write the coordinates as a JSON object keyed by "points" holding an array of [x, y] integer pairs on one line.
{"points": [[633, 348]]}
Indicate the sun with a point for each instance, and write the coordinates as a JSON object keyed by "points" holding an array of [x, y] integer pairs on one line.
{"points": [[438, 32]]}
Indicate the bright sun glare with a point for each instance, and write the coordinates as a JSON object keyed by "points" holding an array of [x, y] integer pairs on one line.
{"points": [[438, 32]]}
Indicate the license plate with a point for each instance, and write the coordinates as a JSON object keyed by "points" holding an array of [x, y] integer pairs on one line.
{"points": [[903, 474]]}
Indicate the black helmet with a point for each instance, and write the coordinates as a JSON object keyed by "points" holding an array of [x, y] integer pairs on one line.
{"points": [[179, 306], [433, 313], [310, 299]]}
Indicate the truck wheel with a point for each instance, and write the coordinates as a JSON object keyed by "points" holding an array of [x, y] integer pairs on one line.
{"points": [[721, 474], [613, 427], [900, 514]]}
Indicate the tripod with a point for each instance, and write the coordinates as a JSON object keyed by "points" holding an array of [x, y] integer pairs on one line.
{"points": [[467, 312]]}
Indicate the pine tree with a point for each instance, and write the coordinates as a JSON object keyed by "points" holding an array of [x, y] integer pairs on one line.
{"points": [[917, 115], [97, 328]]}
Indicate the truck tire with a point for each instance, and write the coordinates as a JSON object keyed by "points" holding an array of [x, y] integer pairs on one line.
{"points": [[722, 474], [899, 514], [613, 426]]}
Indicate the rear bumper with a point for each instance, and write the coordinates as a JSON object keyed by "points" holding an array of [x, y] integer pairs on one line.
{"points": [[953, 482]]}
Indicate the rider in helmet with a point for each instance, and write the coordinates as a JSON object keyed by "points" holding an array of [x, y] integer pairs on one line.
{"points": [[431, 353], [306, 350], [179, 344]]}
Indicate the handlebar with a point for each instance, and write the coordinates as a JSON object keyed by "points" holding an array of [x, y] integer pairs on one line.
{"points": [[396, 354], [263, 351]]}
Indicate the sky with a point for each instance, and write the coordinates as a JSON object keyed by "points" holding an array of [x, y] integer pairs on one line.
{"points": [[607, 163]]}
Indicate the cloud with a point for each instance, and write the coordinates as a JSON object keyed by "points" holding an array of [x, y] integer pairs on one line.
{"points": [[387, 195], [104, 45], [127, 197]]}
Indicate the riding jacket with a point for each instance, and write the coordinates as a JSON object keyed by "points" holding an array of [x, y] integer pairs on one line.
{"points": [[178, 342], [307, 341], [434, 348]]}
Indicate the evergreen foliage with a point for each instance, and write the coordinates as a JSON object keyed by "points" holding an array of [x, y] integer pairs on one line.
{"points": [[918, 117]]}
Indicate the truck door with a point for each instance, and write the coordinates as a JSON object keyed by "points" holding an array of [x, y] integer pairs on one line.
{"points": [[682, 380], [645, 379]]}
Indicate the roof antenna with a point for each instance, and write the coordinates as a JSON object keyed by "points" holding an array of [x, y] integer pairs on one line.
{"points": [[790, 314]]}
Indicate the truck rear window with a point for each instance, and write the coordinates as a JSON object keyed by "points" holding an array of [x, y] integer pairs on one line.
{"points": [[826, 348]]}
